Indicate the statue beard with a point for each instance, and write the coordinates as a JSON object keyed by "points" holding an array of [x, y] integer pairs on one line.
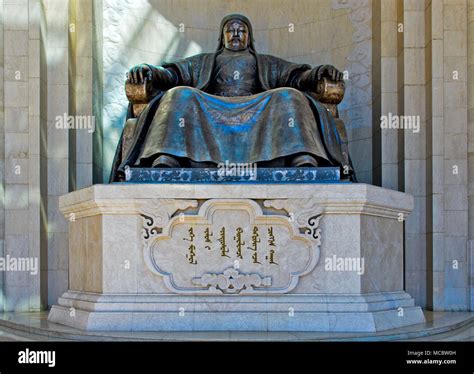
{"points": [[236, 46]]}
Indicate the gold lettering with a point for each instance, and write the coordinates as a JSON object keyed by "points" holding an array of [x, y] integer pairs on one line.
{"points": [[254, 247], [191, 235], [191, 256], [207, 237], [271, 257], [271, 237], [271, 242], [240, 243], [221, 240]]}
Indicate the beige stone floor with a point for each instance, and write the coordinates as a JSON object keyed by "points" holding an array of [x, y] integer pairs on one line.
{"points": [[440, 326]]}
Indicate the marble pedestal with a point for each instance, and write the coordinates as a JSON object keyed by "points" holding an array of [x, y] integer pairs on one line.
{"points": [[161, 257]]}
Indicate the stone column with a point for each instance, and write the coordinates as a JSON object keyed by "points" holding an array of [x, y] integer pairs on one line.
{"points": [[389, 93], [435, 224], [414, 147], [401, 93], [2, 156], [447, 154], [376, 93], [80, 92], [57, 149], [470, 119], [455, 154], [22, 137], [385, 92], [97, 91]]}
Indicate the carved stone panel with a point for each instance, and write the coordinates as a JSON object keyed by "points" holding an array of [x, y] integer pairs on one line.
{"points": [[229, 246]]}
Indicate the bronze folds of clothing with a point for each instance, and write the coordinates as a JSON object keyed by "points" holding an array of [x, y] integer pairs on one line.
{"points": [[192, 124]]}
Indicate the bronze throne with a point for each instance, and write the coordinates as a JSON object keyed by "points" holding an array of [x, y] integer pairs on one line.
{"points": [[329, 93]]}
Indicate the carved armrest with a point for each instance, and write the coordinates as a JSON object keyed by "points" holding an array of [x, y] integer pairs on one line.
{"points": [[127, 136], [139, 95], [329, 93]]}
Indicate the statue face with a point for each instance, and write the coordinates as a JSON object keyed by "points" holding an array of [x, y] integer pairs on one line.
{"points": [[236, 35]]}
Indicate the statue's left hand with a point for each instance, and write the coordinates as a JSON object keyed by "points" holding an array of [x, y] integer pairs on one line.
{"points": [[139, 74], [330, 72]]}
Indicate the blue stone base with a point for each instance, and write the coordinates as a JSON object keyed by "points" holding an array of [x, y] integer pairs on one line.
{"points": [[214, 175]]}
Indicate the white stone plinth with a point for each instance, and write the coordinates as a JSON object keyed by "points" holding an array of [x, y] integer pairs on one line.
{"points": [[236, 257]]}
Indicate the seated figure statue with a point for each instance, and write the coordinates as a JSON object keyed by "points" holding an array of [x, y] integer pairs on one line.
{"points": [[234, 105]]}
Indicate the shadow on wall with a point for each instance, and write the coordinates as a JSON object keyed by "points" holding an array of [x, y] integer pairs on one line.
{"points": [[309, 31]]}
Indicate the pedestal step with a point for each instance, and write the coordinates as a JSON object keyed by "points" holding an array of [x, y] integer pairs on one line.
{"points": [[355, 313]]}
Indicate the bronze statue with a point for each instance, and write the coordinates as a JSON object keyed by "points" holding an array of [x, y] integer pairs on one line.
{"points": [[233, 105]]}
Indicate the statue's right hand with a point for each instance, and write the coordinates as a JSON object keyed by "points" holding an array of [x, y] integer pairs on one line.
{"points": [[139, 74]]}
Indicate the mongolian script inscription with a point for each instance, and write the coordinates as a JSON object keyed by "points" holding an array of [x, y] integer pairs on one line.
{"points": [[258, 249], [228, 246]]}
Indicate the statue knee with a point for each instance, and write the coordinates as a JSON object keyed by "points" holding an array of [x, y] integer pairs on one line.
{"points": [[288, 92], [181, 92]]}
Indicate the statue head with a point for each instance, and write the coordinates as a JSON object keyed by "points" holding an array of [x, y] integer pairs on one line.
{"points": [[235, 33]]}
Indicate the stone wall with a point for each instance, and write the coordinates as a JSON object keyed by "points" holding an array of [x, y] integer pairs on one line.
{"points": [[402, 57], [310, 31], [424, 73], [21, 150]]}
